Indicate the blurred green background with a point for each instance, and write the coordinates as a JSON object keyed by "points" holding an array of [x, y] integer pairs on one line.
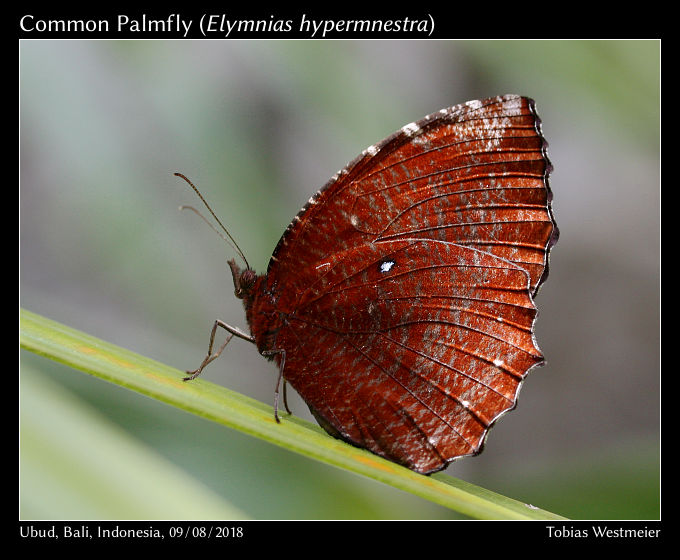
{"points": [[259, 126]]}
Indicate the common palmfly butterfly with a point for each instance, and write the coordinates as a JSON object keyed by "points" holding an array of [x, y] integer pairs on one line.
{"points": [[399, 302]]}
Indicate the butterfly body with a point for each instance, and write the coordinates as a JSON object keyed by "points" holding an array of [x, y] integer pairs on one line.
{"points": [[399, 301]]}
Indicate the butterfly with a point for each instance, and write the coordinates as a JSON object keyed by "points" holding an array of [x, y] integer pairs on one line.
{"points": [[399, 302]]}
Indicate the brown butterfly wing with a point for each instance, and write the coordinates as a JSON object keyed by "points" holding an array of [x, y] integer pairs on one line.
{"points": [[475, 174], [401, 295], [412, 348]]}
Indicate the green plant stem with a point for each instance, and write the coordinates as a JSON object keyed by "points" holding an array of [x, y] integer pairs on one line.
{"points": [[138, 373]]}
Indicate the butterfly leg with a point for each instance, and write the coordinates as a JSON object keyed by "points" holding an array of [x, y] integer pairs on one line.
{"points": [[285, 398], [213, 355], [278, 383]]}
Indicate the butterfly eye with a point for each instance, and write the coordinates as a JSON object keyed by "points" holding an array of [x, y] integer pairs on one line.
{"points": [[386, 266]]}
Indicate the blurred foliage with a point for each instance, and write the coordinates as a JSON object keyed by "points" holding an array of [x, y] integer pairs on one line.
{"points": [[68, 449], [163, 383], [618, 81]]}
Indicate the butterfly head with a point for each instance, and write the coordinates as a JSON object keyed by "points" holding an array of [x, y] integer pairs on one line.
{"points": [[244, 280]]}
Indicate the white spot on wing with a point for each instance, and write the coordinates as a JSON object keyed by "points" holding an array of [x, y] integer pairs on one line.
{"points": [[386, 266], [410, 129], [476, 104], [372, 150]]}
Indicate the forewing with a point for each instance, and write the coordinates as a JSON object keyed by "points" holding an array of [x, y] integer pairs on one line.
{"points": [[474, 174]]}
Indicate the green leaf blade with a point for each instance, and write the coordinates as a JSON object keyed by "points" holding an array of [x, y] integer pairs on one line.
{"points": [[161, 382]]}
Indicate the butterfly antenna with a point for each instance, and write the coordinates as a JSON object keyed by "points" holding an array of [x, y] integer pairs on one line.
{"points": [[217, 231], [235, 245]]}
